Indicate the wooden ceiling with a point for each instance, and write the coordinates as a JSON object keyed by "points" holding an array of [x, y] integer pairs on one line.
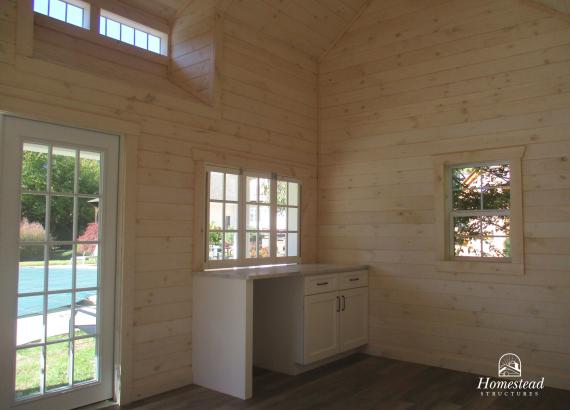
{"points": [[310, 26]]}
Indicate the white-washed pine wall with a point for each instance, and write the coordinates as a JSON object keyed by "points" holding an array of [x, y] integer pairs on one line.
{"points": [[411, 79], [265, 114]]}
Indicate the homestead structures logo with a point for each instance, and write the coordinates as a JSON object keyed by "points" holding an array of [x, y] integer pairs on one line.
{"points": [[510, 365], [509, 368]]}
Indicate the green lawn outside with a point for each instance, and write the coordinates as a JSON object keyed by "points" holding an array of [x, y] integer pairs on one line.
{"points": [[28, 369]]}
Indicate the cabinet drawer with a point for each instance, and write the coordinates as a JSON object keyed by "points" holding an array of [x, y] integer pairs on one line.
{"points": [[320, 284], [351, 280]]}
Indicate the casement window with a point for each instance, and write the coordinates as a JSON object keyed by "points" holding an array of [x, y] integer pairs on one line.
{"points": [[479, 211], [110, 25], [70, 11], [252, 218]]}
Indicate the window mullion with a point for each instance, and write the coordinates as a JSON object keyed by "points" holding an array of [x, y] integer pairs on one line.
{"points": [[242, 236], [273, 219]]}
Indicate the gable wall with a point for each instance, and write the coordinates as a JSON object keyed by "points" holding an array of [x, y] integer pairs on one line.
{"points": [[412, 79]]}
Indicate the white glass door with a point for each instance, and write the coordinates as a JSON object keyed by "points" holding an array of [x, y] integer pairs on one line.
{"points": [[58, 205]]}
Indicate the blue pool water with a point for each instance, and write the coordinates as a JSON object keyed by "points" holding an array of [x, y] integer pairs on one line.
{"points": [[31, 279]]}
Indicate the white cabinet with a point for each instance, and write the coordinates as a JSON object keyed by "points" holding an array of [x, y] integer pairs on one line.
{"points": [[320, 326], [305, 321], [353, 316], [337, 320]]}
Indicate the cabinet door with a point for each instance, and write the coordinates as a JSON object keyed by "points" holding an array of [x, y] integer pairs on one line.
{"points": [[353, 318], [320, 326]]}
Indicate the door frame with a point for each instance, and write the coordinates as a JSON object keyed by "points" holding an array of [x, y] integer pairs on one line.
{"points": [[121, 255]]}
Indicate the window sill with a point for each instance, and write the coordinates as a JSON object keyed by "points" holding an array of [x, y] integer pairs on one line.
{"points": [[96, 38], [480, 267]]}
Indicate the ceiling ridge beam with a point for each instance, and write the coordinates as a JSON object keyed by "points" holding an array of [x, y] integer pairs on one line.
{"points": [[343, 32]]}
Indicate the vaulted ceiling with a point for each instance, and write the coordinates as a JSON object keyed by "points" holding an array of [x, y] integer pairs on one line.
{"points": [[310, 26]]}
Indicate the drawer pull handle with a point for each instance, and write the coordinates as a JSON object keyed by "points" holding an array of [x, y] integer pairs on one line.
{"points": [[354, 279], [343, 303], [322, 283]]}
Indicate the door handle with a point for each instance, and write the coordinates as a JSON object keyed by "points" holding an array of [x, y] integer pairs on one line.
{"points": [[343, 303], [338, 303]]}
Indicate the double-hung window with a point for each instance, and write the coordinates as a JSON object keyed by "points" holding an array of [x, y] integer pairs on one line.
{"points": [[478, 210], [252, 218], [480, 215]]}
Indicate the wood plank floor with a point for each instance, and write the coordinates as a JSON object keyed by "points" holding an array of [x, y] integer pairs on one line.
{"points": [[358, 382]]}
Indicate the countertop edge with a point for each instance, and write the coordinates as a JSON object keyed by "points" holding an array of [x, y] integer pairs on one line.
{"points": [[259, 273]]}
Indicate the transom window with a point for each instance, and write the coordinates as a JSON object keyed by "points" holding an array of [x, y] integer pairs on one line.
{"points": [[111, 25], [480, 216], [131, 32], [71, 11], [252, 218]]}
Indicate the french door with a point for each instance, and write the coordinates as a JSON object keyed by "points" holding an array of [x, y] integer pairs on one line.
{"points": [[58, 206]]}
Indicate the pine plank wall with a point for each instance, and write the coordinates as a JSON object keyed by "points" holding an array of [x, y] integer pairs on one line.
{"points": [[410, 79]]}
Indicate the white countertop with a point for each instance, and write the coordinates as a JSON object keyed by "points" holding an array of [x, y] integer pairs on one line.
{"points": [[268, 272]]}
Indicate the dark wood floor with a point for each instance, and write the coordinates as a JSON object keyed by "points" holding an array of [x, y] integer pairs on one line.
{"points": [[358, 382]]}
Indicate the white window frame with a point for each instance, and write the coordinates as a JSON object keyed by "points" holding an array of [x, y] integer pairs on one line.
{"points": [[446, 261], [241, 260], [478, 213]]}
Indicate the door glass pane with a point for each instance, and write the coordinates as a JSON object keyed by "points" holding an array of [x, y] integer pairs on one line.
{"points": [[57, 364], [87, 224], [61, 218], [31, 269], [30, 328], [58, 316], [89, 172], [34, 167], [86, 313], [60, 272], [63, 170], [33, 218], [28, 371], [85, 360], [86, 268]]}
